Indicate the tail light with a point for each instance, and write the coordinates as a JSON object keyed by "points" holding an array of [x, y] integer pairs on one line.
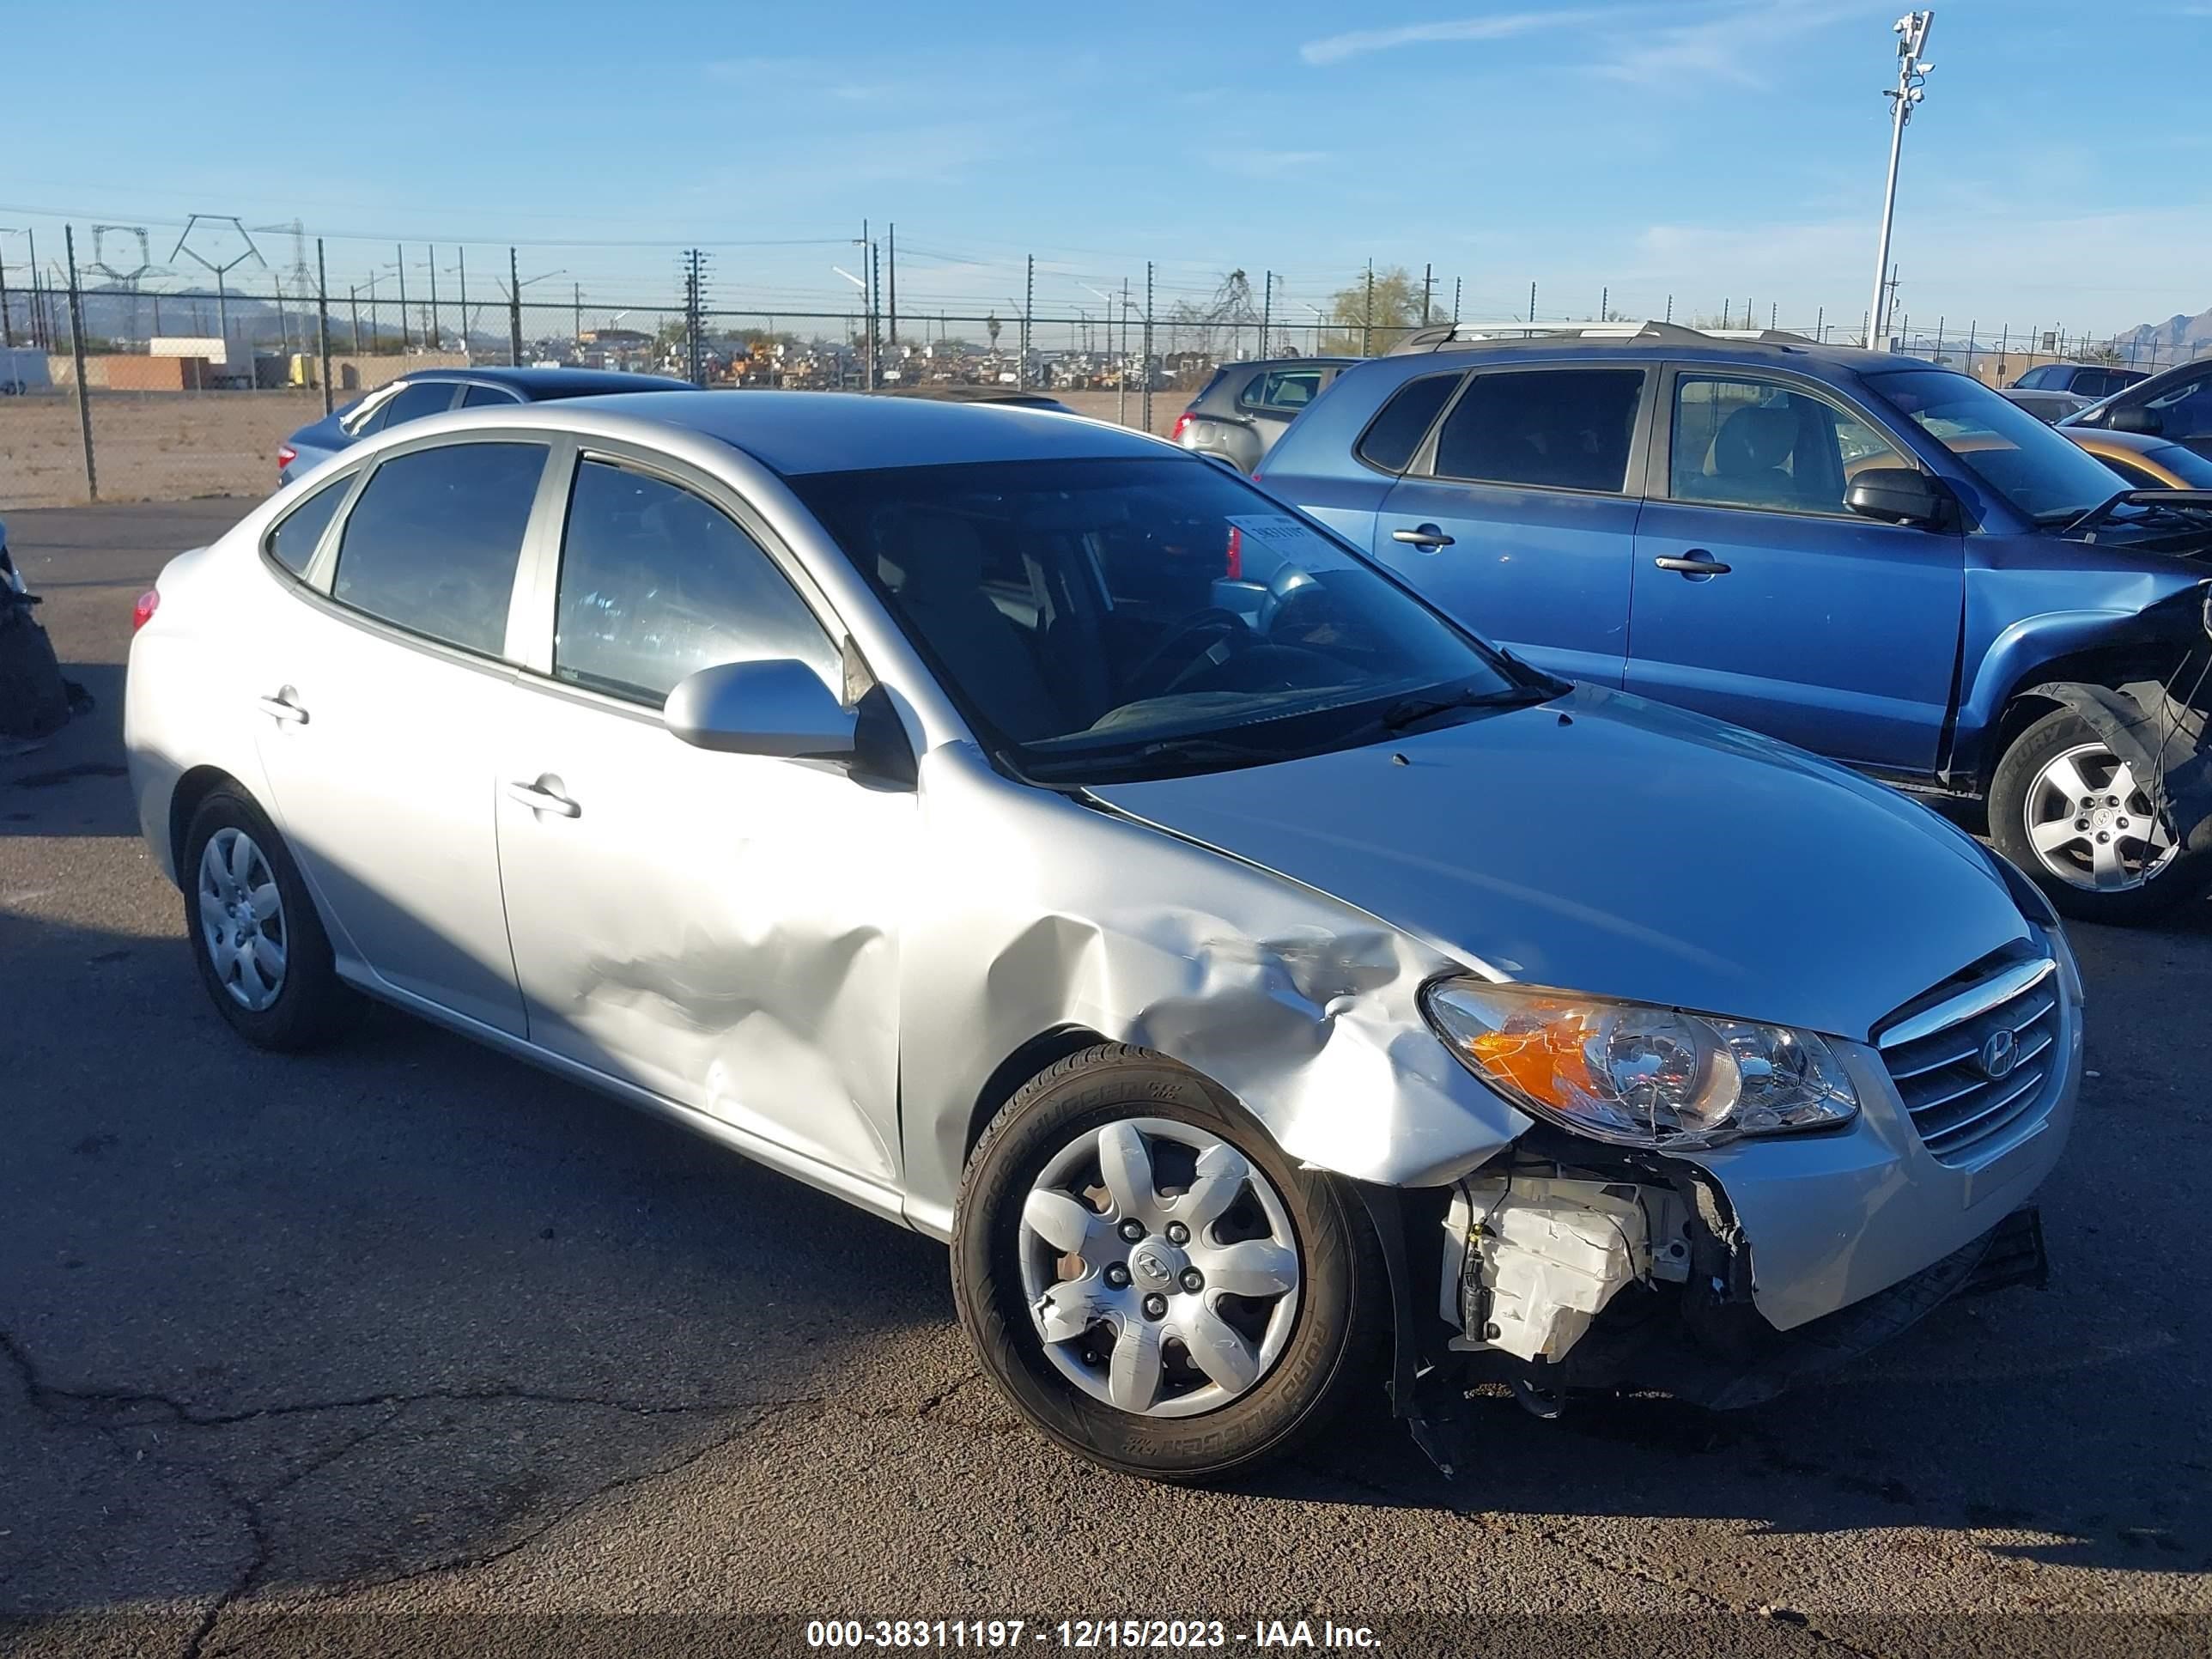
{"points": [[1181, 421], [1234, 568], [142, 612], [285, 456]]}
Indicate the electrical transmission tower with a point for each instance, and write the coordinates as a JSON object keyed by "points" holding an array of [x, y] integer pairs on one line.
{"points": [[128, 279]]}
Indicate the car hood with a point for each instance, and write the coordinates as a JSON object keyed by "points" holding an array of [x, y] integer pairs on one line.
{"points": [[1601, 843]]}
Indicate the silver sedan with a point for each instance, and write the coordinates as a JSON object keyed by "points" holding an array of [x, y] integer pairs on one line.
{"points": [[1040, 838]]}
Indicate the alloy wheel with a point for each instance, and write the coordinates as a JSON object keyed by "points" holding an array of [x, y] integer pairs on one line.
{"points": [[2091, 824], [242, 919], [1160, 1267]]}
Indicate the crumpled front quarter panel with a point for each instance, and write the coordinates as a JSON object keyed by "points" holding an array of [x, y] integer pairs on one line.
{"points": [[1032, 912]]}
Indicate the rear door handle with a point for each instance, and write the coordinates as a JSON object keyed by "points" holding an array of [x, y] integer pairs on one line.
{"points": [[1422, 535], [280, 708], [1699, 563], [539, 799]]}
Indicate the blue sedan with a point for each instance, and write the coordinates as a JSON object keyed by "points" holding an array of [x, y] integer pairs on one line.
{"points": [[434, 390]]}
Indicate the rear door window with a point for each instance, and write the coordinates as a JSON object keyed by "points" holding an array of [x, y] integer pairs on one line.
{"points": [[1395, 433], [1566, 428], [431, 545]]}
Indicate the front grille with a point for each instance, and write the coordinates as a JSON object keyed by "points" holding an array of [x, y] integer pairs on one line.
{"points": [[1974, 1066]]}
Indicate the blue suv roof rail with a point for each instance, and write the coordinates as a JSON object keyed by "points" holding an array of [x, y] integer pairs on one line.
{"points": [[1462, 336]]}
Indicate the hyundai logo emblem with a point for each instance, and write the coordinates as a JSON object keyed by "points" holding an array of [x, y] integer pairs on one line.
{"points": [[2000, 1054]]}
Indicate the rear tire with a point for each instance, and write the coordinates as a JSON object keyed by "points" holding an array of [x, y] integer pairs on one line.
{"points": [[1227, 1399], [2057, 790], [260, 946]]}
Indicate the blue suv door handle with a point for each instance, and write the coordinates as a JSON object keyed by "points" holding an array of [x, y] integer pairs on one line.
{"points": [[1422, 535], [1697, 565]]}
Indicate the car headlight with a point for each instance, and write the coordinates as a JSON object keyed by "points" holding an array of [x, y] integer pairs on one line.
{"points": [[1636, 1074]]}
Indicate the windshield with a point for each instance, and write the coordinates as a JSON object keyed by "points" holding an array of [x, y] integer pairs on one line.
{"points": [[1096, 619], [2038, 472]]}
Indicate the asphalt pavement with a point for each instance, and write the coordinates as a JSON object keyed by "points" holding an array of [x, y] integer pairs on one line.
{"points": [[407, 1346]]}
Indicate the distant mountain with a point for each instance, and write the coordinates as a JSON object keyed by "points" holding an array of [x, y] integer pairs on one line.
{"points": [[2175, 340]]}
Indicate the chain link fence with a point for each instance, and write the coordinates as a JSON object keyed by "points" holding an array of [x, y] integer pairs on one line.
{"points": [[121, 379]]}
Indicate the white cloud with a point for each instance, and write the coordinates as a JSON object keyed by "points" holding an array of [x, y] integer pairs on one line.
{"points": [[1502, 26]]}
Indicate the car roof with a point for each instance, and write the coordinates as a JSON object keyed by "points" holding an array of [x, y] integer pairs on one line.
{"points": [[1686, 346], [1288, 362], [793, 433], [562, 379]]}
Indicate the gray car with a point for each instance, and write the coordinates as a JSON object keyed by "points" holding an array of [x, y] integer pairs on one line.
{"points": [[1041, 839], [1239, 413]]}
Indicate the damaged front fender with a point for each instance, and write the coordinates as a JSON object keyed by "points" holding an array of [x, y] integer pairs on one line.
{"points": [[1042, 913], [2162, 741]]}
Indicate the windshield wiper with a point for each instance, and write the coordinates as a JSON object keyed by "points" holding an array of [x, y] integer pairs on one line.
{"points": [[1413, 710], [1200, 749], [2172, 501]]}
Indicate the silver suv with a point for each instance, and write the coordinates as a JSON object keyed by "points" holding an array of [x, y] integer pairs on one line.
{"points": [[1239, 413]]}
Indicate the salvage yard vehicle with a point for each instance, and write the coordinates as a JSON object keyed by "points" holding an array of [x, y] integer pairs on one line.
{"points": [[1037, 837], [1240, 412], [2143, 463], [2175, 404], [1876, 559], [423, 392]]}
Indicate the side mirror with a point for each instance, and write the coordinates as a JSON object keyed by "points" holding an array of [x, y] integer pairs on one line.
{"points": [[2134, 418], [780, 709], [1898, 495]]}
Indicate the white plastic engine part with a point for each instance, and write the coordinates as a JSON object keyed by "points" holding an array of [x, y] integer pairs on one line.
{"points": [[1550, 1253]]}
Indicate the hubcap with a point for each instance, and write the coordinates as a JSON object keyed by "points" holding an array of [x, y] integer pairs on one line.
{"points": [[2092, 825], [1195, 1309], [242, 919]]}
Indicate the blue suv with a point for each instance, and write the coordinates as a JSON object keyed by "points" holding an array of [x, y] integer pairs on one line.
{"points": [[1872, 558]]}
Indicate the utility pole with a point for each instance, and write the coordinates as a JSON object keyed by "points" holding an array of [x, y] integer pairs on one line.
{"points": [[77, 352], [576, 313], [1029, 306], [323, 320], [1367, 320], [353, 299], [695, 277], [7, 318], [1532, 302], [1148, 346], [399, 255], [1428, 282], [437, 332], [1605, 304], [1121, 373], [1911, 30], [875, 316], [461, 261], [1456, 281], [891, 236], [514, 310], [1266, 310]]}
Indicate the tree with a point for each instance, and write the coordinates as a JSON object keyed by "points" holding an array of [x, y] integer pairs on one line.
{"points": [[1226, 323], [1373, 318]]}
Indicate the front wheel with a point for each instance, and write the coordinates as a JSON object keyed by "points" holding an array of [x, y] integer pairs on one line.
{"points": [[2074, 816], [1148, 1277]]}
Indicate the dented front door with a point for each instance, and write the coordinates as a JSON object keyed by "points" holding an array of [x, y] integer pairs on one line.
{"points": [[721, 929]]}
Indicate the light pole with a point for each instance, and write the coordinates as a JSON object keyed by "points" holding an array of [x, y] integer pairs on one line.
{"points": [[513, 291], [868, 343], [1912, 68]]}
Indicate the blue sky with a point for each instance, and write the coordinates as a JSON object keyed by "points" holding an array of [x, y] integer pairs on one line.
{"points": [[1714, 150]]}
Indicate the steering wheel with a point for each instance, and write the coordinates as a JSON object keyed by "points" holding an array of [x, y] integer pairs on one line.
{"points": [[1208, 623]]}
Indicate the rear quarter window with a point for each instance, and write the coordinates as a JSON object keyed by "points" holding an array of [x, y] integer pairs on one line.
{"points": [[1395, 432], [295, 536]]}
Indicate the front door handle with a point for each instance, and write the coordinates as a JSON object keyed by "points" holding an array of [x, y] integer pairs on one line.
{"points": [[281, 708], [1699, 563], [538, 799], [1422, 535]]}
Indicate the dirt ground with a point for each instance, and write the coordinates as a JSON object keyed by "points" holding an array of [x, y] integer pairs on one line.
{"points": [[165, 446]]}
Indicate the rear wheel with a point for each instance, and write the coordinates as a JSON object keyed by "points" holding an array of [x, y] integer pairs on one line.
{"points": [[1151, 1280], [2073, 814], [256, 938]]}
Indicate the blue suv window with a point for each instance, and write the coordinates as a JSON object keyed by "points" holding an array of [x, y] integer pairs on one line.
{"points": [[1394, 434], [1561, 429], [1758, 443]]}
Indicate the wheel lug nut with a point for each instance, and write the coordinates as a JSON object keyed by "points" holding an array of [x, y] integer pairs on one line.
{"points": [[1177, 1233], [2112, 800], [1155, 1307], [1117, 1276], [2122, 823], [2081, 823], [1193, 1280], [2102, 837], [1132, 1231]]}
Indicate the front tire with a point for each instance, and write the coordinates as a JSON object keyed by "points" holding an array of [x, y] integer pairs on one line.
{"points": [[2070, 812], [256, 938], [1249, 1305]]}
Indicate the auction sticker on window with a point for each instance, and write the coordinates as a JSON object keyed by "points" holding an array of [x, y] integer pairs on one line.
{"points": [[1268, 541]]}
